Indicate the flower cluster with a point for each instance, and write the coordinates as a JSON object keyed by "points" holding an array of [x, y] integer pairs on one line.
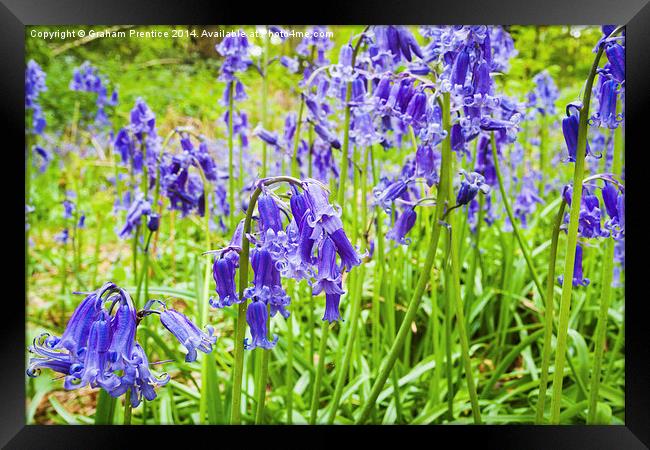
{"points": [[34, 85], [590, 224], [312, 246], [87, 78], [235, 50], [542, 98], [138, 139], [99, 349]]}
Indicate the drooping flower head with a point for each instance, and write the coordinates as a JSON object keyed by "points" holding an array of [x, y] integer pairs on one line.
{"points": [[98, 347]]}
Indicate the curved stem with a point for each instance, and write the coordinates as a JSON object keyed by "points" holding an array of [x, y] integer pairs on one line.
{"points": [[515, 227], [443, 195], [240, 328], [572, 240], [548, 315], [572, 237]]}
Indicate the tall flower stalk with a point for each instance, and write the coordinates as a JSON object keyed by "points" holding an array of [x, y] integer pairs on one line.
{"points": [[572, 239], [441, 201]]}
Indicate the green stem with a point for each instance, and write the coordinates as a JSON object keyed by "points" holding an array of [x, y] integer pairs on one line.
{"points": [[324, 331], [345, 148], [295, 170], [231, 173], [127, 408], [460, 321], [606, 293], [572, 240], [548, 315], [342, 370], [105, 408], [515, 227], [601, 330], [261, 386], [346, 129], [443, 195], [265, 93], [289, 370], [240, 328]]}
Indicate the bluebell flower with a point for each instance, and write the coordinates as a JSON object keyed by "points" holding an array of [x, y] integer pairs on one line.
{"points": [[290, 63], [470, 186], [525, 203], [140, 207], [98, 346], [34, 85], [257, 317], [616, 56], [68, 209], [543, 97], [329, 276], [607, 98], [143, 119], [404, 223], [578, 279], [385, 197], [44, 155], [143, 380], [570, 126], [614, 201], [87, 78], [316, 37], [324, 218], [223, 272], [188, 334], [154, 222], [398, 41], [267, 283], [63, 236]]}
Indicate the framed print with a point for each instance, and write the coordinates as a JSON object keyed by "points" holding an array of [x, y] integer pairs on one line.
{"points": [[362, 218]]}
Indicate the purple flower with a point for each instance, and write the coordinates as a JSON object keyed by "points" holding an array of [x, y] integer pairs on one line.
{"points": [[290, 63], [143, 380], [403, 225], [267, 284], [154, 222], [470, 186], [607, 98], [543, 97], [34, 85], [525, 203], [329, 274], [140, 207], [398, 41], [257, 317], [570, 126], [616, 56], [223, 272], [188, 334], [143, 119], [578, 279], [68, 209], [87, 78]]}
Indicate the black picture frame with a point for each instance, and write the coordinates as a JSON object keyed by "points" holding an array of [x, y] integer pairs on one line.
{"points": [[635, 14]]}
